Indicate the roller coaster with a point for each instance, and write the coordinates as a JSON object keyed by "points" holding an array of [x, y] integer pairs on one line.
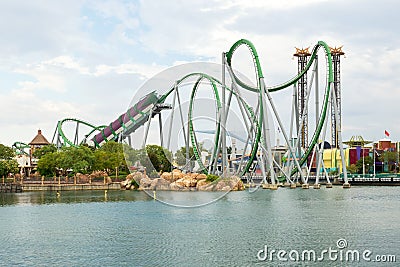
{"points": [[257, 120]]}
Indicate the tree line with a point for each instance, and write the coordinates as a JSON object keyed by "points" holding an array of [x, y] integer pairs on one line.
{"points": [[111, 157]]}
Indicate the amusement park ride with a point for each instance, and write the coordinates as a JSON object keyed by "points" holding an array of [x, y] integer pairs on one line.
{"points": [[302, 138]]}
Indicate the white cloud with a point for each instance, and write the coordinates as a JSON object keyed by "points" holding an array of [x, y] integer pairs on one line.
{"points": [[144, 70]]}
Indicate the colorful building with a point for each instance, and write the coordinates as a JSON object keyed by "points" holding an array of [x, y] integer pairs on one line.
{"points": [[356, 150]]}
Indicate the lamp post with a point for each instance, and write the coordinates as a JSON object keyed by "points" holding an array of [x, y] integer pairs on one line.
{"points": [[363, 166]]}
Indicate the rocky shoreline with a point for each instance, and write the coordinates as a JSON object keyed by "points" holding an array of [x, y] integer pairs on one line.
{"points": [[179, 181]]}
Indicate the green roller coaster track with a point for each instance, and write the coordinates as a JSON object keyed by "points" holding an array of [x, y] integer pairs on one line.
{"points": [[258, 89], [19, 148], [291, 82], [65, 140]]}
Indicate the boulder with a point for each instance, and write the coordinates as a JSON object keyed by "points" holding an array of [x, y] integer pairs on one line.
{"points": [[177, 174], [175, 187], [201, 176], [145, 183], [167, 176], [226, 188], [236, 184], [209, 187], [130, 176], [187, 181], [201, 183], [82, 178], [138, 176], [108, 180], [159, 184], [221, 184]]}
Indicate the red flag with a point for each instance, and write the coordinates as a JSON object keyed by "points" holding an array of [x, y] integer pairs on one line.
{"points": [[387, 133]]}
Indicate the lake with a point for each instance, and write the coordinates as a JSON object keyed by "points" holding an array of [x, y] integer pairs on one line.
{"points": [[326, 227]]}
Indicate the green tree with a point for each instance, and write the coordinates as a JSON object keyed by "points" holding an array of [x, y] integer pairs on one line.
{"points": [[368, 163], [7, 163], [109, 161], [180, 155], [8, 166], [155, 157], [6, 152], [49, 163], [76, 159], [390, 158], [352, 168], [44, 150], [112, 147], [109, 157], [131, 155]]}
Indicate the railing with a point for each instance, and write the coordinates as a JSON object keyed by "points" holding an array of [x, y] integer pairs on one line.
{"points": [[84, 179], [371, 178]]}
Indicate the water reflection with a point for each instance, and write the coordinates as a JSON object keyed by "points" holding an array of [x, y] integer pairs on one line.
{"points": [[52, 197]]}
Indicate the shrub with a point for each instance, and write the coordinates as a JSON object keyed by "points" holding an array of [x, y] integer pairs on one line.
{"points": [[211, 177]]}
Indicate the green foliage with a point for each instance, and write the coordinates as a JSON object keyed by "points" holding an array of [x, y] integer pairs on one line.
{"points": [[7, 163], [76, 159], [368, 163], [112, 147], [6, 152], [109, 157], [48, 164], [352, 168], [71, 160], [8, 166], [388, 156], [334, 172], [44, 150], [156, 158], [134, 184], [390, 159], [211, 177], [180, 155]]}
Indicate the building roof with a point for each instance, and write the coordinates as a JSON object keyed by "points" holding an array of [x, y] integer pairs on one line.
{"points": [[357, 141], [39, 139]]}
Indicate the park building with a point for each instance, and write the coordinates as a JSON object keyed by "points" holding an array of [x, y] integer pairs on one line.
{"points": [[385, 145], [37, 142], [27, 163], [356, 149]]}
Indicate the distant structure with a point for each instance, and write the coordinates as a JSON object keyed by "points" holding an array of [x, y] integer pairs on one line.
{"points": [[356, 141], [356, 150], [336, 53], [36, 143], [302, 55]]}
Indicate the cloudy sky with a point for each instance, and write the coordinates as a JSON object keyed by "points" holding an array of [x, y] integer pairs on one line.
{"points": [[86, 59]]}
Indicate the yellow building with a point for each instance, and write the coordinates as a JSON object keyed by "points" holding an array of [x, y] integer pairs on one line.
{"points": [[333, 160]]}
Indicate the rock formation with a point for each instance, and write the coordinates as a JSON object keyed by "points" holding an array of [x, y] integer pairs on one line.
{"points": [[178, 181]]}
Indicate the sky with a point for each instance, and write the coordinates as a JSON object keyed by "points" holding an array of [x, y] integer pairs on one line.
{"points": [[86, 59]]}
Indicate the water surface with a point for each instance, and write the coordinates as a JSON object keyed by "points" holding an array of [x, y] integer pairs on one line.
{"points": [[128, 228]]}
